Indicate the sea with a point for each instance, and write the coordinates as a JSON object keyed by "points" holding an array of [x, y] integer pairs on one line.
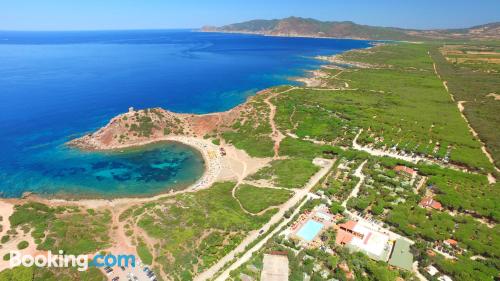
{"points": [[56, 86]]}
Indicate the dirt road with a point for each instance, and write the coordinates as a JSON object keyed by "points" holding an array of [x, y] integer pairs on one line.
{"points": [[326, 165]]}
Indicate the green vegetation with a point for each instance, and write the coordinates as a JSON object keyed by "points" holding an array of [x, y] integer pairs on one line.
{"points": [[348, 29], [256, 199], [69, 229], [144, 253], [251, 132], [17, 274], [301, 149], [320, 265], [429, 225], [51, 274], [144, 123], [383, 189], [464, 192], [5, 239], [193, 230], [289, 173], [341, 181], [389, 196], [465, 269], [400, 103], [143, 127], [472, 74], [23, 245]]}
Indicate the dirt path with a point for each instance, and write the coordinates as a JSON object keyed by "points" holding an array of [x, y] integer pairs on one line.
{"points": [[121, 243], [460, 106], [332, 89], [6, 210], [421, 183], [241, 176], [358, 173], [276, 135], [326, 165]]}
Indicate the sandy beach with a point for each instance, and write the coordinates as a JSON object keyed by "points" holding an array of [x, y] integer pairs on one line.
{"points": [[236, 164]]}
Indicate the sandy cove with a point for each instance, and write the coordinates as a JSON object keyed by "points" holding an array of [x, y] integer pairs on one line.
{"points": [[192, 128], [236, 164], [189, 129]]}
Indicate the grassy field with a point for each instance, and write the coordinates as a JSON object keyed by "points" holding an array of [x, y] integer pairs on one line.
{"points": [[289, 173], [144, 253], [256, 199], [399, 103], [51, 274], [473, 73], [190, 232], [252, 131], [71, 229]]}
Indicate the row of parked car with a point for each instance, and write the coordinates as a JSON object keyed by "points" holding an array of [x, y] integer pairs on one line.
{"points": [[131, 276]]}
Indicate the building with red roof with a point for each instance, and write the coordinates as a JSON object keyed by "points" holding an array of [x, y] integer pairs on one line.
{"points": [[359, 236], [451, 242], [405, 169], [429, 202], [343, 238]]}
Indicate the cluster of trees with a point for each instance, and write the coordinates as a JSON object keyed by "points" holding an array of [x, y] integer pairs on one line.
{"points": [[464, 192]]}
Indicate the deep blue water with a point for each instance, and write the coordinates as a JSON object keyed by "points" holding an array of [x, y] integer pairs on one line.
{"points": [[55, 86]]}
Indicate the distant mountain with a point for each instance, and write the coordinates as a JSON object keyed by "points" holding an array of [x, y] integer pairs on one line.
{"points": [[295, 26]]}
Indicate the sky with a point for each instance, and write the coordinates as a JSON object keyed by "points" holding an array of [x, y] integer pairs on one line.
{"points": [[160, 14]]}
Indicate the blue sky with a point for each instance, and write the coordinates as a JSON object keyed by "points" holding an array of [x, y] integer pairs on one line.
{"points": [[145, 14]]}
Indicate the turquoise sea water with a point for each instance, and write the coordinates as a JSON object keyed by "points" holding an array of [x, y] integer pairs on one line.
{"points": [[55, 86]]}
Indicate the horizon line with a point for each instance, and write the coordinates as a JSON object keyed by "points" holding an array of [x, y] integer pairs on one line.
{"points": [[198, 28], [95, 30]]}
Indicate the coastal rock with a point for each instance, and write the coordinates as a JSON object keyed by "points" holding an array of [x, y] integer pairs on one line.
{"points": [[137, 127]]}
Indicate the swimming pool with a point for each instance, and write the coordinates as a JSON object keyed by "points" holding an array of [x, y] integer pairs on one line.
{"points": [[310, 230]]}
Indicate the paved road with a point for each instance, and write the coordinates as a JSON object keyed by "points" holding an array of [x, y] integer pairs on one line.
{"points": [[326, 165]]}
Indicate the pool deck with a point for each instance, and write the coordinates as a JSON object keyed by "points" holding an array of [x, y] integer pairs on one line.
{"points": [[310, 225], [310, 230]]}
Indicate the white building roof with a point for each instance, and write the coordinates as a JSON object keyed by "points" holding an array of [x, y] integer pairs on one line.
{"points": [[445, 278], [373, 242], [431, 270]]}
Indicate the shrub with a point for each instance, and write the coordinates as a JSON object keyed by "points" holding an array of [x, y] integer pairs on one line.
{"points": [[23, 245]]}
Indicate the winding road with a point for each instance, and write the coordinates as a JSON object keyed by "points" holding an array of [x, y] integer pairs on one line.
{"points": [[326, 165]]}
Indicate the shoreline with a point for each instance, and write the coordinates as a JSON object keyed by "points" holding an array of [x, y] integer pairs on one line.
{"points": [[212, 172], [290, 35]]}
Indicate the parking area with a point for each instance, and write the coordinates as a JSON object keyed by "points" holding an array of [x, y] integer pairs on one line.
{"points": [[140, 272]]}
